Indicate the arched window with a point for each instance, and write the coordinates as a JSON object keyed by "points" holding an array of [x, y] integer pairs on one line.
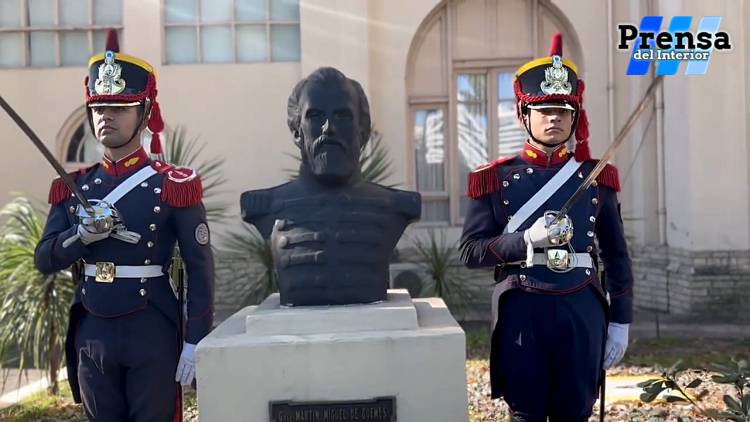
{"points": [[82, 146], [78, 146], [460, 90]]}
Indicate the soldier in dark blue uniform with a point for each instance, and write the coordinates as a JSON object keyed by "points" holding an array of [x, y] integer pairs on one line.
{"points": [[555, 324], [123, 344]]}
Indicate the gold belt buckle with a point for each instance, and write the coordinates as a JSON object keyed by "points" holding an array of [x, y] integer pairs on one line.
{"points": [[558, 259], [105, 272]]}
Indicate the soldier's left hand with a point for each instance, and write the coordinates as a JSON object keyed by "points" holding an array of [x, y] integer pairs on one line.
{"points": [[617, 343], [186, 367]]}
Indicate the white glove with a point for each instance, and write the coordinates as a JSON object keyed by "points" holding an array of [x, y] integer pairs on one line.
{"points": [[186, 366], [537, 235], [88, 237], [617, 343]]}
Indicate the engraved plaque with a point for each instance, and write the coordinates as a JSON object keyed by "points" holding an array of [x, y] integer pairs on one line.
{"points": [[381, 409]]}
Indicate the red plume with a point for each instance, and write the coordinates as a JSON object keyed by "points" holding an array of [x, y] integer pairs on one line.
{"points": [[555, 48], [582, 152], [112, 43], [155, 125]]}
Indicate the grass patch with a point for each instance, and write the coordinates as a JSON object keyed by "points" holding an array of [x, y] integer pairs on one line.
{"points": [[43, 407], [477, 342], [696, 353]]}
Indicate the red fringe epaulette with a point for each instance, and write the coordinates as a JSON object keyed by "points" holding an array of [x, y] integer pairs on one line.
{"points": [[181, 187], [484, 180], [609, 177], [58, 191]]}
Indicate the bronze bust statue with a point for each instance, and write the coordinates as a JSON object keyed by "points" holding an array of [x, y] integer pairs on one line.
{"points": [[332, 233]]}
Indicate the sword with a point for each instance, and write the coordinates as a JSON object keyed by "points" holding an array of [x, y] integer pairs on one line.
{"points": [[589, 180], [48, 155], [178, 272]]}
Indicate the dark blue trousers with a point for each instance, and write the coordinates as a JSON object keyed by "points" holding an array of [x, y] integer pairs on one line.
{"points": [[126, 367], [546, 354]]}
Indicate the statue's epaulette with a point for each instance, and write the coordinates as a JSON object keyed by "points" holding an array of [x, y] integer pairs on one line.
{"points": [[609, 177], [409, 204], [484, 180], [255, 203], [59, 192], [181, 187]]}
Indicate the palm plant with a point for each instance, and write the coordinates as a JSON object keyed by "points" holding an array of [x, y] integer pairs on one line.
{"points": [[33, 306], [439, 258], [182, 151], [252, 249], [374, 161]]}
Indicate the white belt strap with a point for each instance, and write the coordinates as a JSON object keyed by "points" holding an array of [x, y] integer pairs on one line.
{"points": [[129, 271], [131, 182], [542, 196]]}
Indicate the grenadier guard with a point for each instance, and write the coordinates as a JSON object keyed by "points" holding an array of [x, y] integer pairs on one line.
{"points": [[123, 347], [554, 325]]}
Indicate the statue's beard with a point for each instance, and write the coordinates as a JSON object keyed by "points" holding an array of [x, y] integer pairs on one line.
{"points": [[331, 162]]}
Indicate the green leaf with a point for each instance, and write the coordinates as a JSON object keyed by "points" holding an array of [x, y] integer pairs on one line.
{"points": [[732, 403], [676, 367], [674, 399], [657, 387], [724, 379], [721, 368], [694, 383], [648, 397], [648, 382], [713, 413]]}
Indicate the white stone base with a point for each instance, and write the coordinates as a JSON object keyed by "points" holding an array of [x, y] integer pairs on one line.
{"points": [[411, 350]]}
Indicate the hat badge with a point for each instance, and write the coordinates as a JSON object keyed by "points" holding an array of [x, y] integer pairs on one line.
{"points": [[109, 81], [556, 78]]}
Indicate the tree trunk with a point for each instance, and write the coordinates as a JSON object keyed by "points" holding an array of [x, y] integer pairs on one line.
{"points": [[54, 361], [53, 352]]}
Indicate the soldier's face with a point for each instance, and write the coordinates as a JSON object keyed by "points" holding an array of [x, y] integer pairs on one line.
{"points": [[551, 125], [329, 135], [113, 126]]}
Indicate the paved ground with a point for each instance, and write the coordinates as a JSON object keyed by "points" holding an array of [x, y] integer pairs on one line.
{"points": [[31, 381], [624, 387]]}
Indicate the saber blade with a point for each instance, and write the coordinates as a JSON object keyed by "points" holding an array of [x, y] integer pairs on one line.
{"points": [[48, 155], [612, 148]]}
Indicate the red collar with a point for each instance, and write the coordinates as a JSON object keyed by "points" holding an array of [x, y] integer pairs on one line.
{"points": [[536, 156], [129, 164]]}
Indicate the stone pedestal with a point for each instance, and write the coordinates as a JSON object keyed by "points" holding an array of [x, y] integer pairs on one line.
{"points": [[408, 351]]}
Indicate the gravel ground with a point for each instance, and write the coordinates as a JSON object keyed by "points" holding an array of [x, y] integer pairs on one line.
{"points": [[484, 409], [641, 356]]}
